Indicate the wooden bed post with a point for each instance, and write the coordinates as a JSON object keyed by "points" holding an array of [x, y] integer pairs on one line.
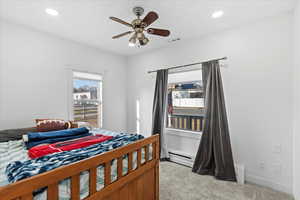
{"points": [[157, 150]]}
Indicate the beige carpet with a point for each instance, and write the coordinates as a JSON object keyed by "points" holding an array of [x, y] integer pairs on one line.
{"points": [[179, 183]]}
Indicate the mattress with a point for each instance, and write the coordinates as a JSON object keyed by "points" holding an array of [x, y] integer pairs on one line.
{"points": [[16, 151]]}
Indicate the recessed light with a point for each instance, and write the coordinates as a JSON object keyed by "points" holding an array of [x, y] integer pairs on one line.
{"points": [[217, 14], [51, 11], [131, 44]]}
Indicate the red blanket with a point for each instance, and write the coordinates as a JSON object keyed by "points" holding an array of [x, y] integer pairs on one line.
{"points": [[68, 145]]}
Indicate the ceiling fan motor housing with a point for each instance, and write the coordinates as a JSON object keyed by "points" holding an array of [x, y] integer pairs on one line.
{"points": [[138, 11]]}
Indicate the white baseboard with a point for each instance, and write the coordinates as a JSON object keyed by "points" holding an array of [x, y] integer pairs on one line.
{"points": [[250, 178]]}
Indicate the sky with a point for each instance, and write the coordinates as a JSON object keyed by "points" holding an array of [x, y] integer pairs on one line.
{"points": [[77, 83]]}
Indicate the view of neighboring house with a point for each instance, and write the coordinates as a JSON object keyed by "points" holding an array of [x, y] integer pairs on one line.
{"points": [[81, 95], [186, 106], [86, 99]]}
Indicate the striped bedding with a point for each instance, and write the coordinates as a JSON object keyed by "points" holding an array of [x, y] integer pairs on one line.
{"points": [[15, 151], [9, 152]]}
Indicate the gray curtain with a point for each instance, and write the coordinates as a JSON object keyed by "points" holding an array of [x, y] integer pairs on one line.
{"points": [[214, 156], [159, 110]]}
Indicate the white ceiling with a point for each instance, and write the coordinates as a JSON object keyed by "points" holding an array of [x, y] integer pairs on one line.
{"points": [[86, 21]]}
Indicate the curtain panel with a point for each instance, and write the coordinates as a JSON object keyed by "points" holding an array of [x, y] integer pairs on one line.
{"points": [[159, 110], [214, 156]]}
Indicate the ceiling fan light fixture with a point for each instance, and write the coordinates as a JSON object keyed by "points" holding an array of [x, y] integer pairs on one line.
{"points": [[140, 35], [130, 44], [132, 41], [144, 41]]}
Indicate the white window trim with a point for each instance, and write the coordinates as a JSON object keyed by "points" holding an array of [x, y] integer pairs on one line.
{"points": [[70, 103], [177, 131], [87, 75], [184, 133]]}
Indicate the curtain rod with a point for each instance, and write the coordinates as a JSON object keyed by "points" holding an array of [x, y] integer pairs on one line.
{"points": [[198, 63]]}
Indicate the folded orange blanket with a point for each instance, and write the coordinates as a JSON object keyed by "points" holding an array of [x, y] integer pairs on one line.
{"points": [[38, 151]]}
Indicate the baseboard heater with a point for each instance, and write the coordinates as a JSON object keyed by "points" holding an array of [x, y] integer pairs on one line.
{"points": [[176, 154], [181, 159]]}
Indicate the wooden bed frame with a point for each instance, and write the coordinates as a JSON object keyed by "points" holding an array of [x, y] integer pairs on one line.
{"points": [[141, 183]]}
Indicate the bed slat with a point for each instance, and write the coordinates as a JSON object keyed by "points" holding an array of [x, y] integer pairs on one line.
{"points": [[130, 162], [52, 192], [154, 154], [120, 167], [75, 187], [139, 158], [107, 174], [93, 180], [146, 153]]}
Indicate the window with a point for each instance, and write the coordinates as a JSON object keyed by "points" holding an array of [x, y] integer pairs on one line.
{"points": [[87, 98], [185, 101]]}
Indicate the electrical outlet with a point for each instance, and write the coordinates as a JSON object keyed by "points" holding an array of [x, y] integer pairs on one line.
{"points": [[277, 149], [277, 169], [262, 165]]}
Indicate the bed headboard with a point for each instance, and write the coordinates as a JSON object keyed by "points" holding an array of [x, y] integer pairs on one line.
{"points": [[14, 134]]}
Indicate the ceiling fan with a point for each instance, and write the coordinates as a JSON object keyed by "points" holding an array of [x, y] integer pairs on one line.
{"points": [[139, 27]]}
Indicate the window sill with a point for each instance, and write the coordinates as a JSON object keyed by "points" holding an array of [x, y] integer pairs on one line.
{"points": [[184, 133]]}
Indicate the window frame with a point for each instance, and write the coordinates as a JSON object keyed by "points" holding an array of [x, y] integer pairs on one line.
{"points": [[71, 99], [173, 129]]}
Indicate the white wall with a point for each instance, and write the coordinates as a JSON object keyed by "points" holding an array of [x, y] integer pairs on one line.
{"points": [[258, 89], [296, 138], [34, 77]]}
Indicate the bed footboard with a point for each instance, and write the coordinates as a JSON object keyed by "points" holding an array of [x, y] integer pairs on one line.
{"points": [[141, 183]]}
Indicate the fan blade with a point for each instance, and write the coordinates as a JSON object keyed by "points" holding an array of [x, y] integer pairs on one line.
{"points": [[121, 35], [150, 18], [120, 21], [160, 32]]}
